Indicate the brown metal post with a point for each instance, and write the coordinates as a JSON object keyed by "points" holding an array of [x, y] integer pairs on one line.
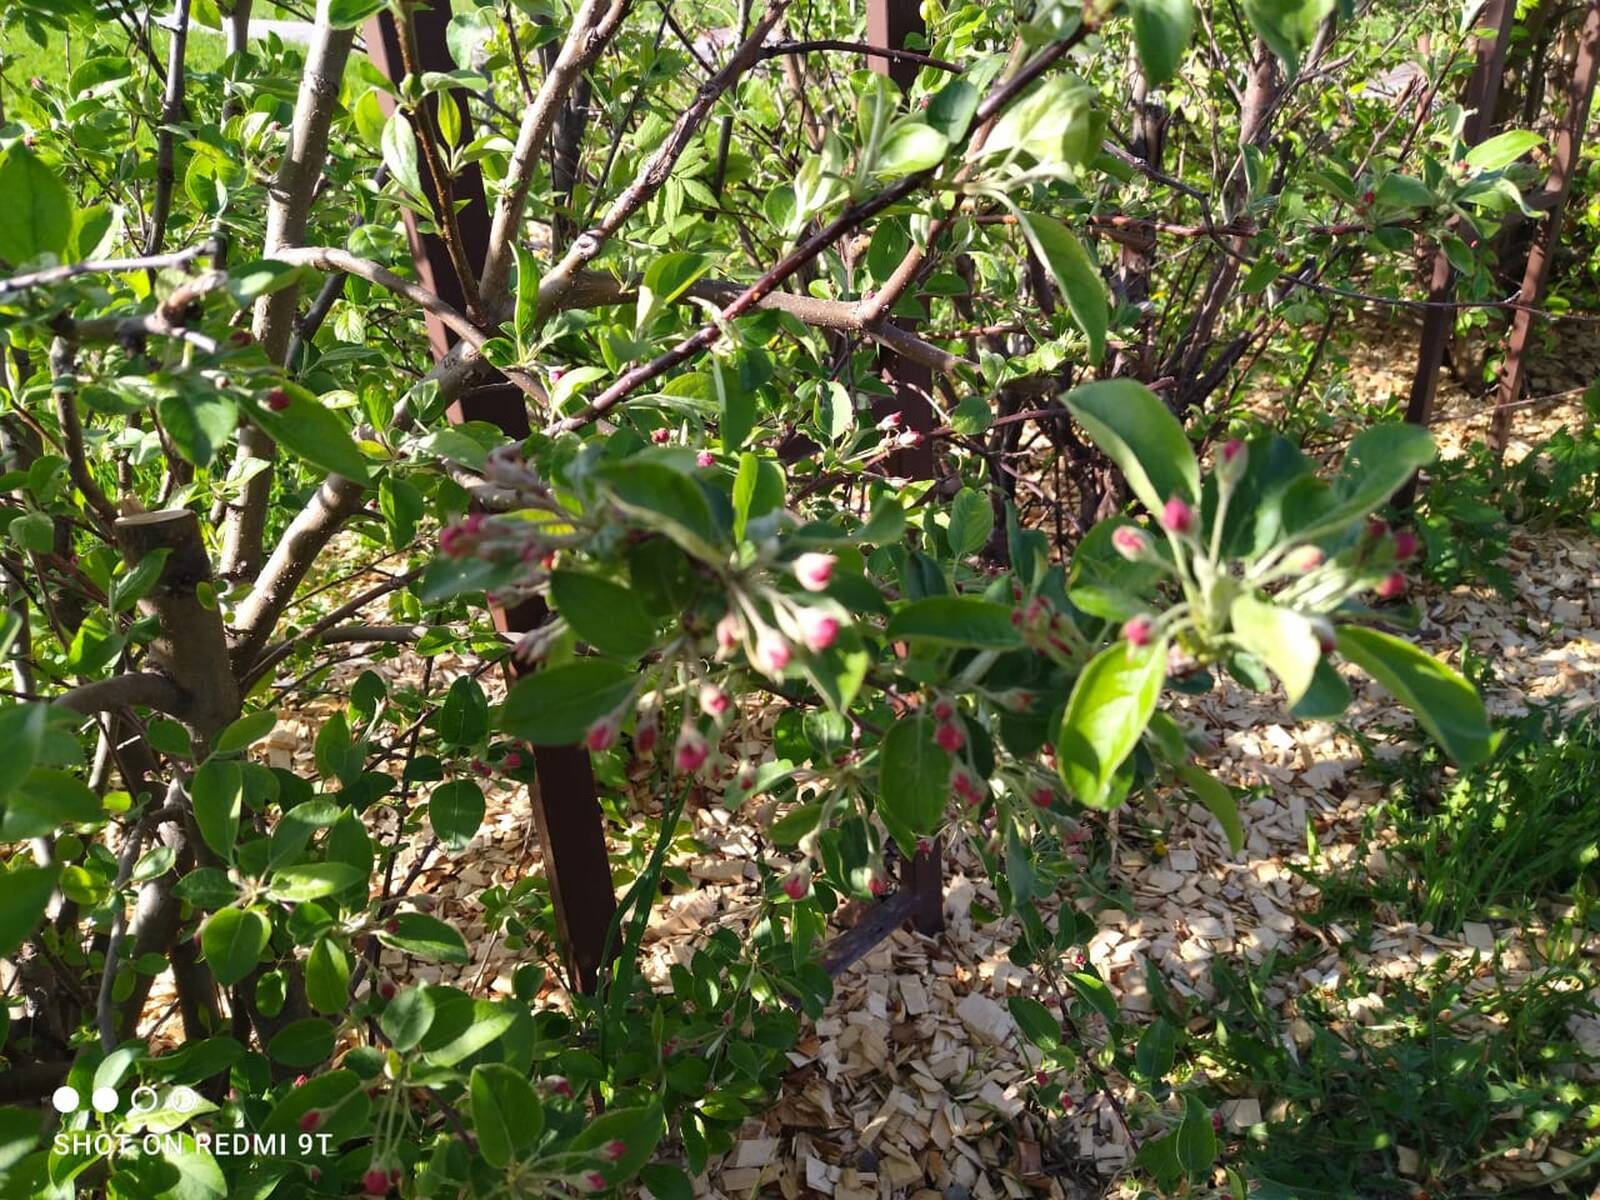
{"points": [[566, 808], [889, 24], [1483, 89], [1547, 238]]}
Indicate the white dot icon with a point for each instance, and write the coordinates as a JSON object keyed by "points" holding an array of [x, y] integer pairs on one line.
{"points": [[183, 1099], [65, 1099], [104, 1099], [143, 1100]]}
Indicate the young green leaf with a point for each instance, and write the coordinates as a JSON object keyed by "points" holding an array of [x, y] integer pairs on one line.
{"points": [[232, 940], [298, 421], [37, 215], [1444, 703], [913, 777], [1161, 31], [1075, 274], [1139, 433], [604, 614], [1109, 707], [1282, 638], [555, 707], [956, 621]]}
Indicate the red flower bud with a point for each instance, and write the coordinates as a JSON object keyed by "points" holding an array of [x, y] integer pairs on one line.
{"points": [[660, 436], [512, 760], [705, 459], [1406, 544], [797, 883], [1177, 516], [386, 989], [310, 1120], [615, 1149], [1042, 797], [1140, 631], [1133, 544], [943, 711], [1394, 584], [950, 737], [277, 399], [375, 1181]]}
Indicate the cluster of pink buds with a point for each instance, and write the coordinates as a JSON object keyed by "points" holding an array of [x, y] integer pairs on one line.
{"points": [[965, 788], [1041, 626], [950, 731], [461, 538]]}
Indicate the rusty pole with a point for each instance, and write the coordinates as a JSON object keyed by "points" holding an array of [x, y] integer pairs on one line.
{"points": [[889, 24], [566, 808], [1483, 90], [1547, 238]]}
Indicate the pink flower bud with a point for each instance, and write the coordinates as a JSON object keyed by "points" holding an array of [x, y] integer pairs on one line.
{"points": [[512, 761], [615, 1149], [728, 631], [908, 438], [1233, 451], [595, 1181], [950, 737], [660, 436], [1376, 528], [705, 459], [277, 399], [797, 883], [691, 752], [375, 1181], [877, 886], [891, 422], [1042, 797], [1406, 544], [452, 541], [1133, 544], [1393, 585], [818, 629], [961, 783], [310, 1120], [473, 523], [1326, 638], [1177, 516], [557, 1085], [601, 735], [943, 710], [813, 570], [644, 736], [773, 652], [1304, 559], [713, 700], [1140, 631]]}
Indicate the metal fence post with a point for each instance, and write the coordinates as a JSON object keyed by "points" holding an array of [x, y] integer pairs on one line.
{"points": [[566, 808]]}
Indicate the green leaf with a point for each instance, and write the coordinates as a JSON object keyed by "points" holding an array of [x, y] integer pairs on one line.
{"points": [[639, 1129], [246, 731], [456, 811], [1196, 1140], [1405, 191], [1161, 31], [426, 937], [217, 793], [1109, 707], [341, 1098], [1444, 703], [555, 707], [24, 894], [1218, 799], [250, 281], [46, 799], [506, 1114], [666, 1182], [956, 621], [664, 499], [1502, 150], [665, 279], [347, 14], [604, 614], [1035, 1022], [328, 976], [1075, 274], [312, 881], [400, 153], [406, 1019], [1287, 26], [1093, 991], [313, 432], [952, 108], [971, 522], [128, 589], [1104, 584], [464, 718], [913, 777], [910, 147], [22, 728], [1282, 638], [198, 425], [232, 940], [1139, 433], [302, 1043], [37, 215]]}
